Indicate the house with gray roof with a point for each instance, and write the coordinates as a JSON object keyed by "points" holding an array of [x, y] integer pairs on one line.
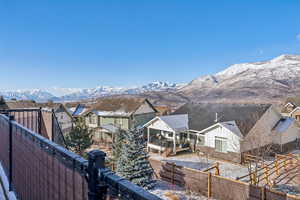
{"points": [[118, 113], [165, 132], [225, 131]]}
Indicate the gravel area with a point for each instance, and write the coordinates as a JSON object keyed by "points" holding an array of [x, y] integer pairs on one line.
{"points": [[193, 161], [166, 191]]}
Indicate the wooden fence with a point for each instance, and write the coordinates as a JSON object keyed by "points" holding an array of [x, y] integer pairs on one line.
{"points": [[211, 185]]}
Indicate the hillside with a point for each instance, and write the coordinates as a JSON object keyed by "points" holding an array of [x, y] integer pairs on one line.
{"points": [[268, 81]]}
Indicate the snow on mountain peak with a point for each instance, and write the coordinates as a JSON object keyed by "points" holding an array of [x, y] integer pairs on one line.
{"points": [[77, 93], [280, 61]]}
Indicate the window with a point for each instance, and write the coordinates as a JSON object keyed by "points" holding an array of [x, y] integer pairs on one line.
{"points": [[297, 118], [221, 144], [170, 134], [92, 119], [200, 140]]}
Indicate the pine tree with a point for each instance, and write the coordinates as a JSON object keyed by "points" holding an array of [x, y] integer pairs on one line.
{"points": [[133, 163], [117, 145], [80, 138], [2, 101]]}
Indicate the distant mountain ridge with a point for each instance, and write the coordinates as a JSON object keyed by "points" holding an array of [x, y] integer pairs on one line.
{"points": [[259, 82], [72, 94], [251, 82]]}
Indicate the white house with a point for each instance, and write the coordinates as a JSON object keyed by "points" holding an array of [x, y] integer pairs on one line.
{"points": [[223, 136], [226, 131], [167, 132]]}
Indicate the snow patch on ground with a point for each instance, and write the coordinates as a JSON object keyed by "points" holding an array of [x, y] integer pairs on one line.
{"points": [[229, 170], [162, 189]]}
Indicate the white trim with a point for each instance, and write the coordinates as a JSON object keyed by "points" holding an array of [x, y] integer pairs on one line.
{"points": [[294, 110], [202, 132], [158, 118], [289, 103]]}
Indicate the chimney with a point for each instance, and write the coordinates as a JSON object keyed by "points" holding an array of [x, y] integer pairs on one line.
{"points": [[216, 120]]}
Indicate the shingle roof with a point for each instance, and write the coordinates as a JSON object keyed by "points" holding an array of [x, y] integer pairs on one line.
{"points": [[203, 115], [18, 104], [126, 106], [176, 122]]}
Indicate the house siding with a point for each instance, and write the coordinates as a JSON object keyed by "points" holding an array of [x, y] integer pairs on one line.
{"points": [[290, 135], [65, 121], [141, 119], [296, 115], [122, 122], [233, 141], [261, 134]]}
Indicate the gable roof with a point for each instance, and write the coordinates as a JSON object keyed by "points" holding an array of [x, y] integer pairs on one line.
{"points": [[203, 115], [230, 125], [294, 101], [80, 109], [118, 106], [283, 124], [19, 104], [175, 122]]}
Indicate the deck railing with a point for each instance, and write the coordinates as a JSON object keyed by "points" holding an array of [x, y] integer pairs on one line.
{"points": [[38, 168]]}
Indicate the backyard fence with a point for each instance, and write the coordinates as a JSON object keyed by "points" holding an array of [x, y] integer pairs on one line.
{"points": [[38, 168], [211, 185]]}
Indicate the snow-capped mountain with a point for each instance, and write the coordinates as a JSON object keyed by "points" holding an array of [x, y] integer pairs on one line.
{"points": [[259, 81], [35, 94], [108, 91], [71, 94]]}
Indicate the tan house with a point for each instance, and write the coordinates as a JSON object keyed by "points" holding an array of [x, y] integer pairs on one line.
{"points": [[225, 131], [291, 108], [122, 113]]}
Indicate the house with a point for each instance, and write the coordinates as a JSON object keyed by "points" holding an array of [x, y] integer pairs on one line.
{"points": [[21, 104], [291, 108], [79, 110], [122, 113], [163, 110], [62, 114], [64, 118], [167, 132], [225, 131]]}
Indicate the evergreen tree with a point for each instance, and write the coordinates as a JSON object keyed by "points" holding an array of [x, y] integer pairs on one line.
{"points": [[133, 163], [80, 138], [117, 145], [2, 101]]}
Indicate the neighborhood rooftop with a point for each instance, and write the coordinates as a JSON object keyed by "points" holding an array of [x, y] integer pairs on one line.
{"points": [[203, 115], [117, 106]]}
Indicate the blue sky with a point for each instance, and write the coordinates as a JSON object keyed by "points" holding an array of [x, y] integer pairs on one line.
{"points": [[75, 43]]}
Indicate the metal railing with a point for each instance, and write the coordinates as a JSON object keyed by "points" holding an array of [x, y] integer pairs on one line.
{"points": [[38, 168]]}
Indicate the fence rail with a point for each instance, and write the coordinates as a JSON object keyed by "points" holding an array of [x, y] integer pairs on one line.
{"points": [[41, 169]]}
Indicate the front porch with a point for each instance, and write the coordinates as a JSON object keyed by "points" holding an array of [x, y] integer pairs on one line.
{"points": [[168, 143]]}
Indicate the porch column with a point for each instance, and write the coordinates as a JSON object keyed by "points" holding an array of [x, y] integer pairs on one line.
{"points": [[174, 140], [148, 138], [160, 148]]}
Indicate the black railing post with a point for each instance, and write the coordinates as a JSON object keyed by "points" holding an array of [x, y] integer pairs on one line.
{"points": [[53, 126], [11, 118], [40, 121], [97, 190]]}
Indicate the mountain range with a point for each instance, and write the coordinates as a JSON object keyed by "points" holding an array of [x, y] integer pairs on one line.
{"points": [[74, 94], [268, 81], [259, 82]]}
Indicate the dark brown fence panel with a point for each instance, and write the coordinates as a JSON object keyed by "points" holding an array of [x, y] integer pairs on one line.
{"points": [[41, 171], [46, 124], [4, 142]]}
